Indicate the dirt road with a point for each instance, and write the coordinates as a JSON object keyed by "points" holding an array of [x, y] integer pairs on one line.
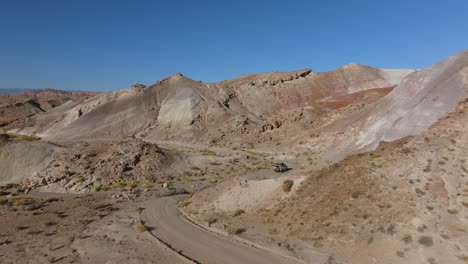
{"points": [[197, 244]]}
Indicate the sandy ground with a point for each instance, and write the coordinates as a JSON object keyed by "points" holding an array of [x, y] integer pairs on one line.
{"points": [[77, 229]]}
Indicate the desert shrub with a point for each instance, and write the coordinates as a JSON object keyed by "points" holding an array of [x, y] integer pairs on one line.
{"points": [[238, 212], [167, 182], [119, 185], [211, 220], [287, 185], [391, 229], [133, 184], [99, 188], [50, 223], [19, 201], [208, 152], [184, 202], [201, 178], [149, 177], [355, 194], [233, 230], [406, 150], [407, 239], [426, 241], [142, 228]]}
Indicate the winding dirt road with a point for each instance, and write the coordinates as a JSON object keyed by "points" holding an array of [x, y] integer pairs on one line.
{"points": [[196, 243]]}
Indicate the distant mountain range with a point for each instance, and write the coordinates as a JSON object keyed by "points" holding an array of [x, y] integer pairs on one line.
{"points": [[14, 90], [20, 90]]}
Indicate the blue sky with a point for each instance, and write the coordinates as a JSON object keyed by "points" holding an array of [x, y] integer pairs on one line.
{"points": [[106, 45]]}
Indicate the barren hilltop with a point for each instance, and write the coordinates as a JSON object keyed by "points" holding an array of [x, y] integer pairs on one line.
{"points": [[375, 169]]}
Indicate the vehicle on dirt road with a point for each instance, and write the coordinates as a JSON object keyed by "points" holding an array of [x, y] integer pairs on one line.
{"points": [[281, 167]]}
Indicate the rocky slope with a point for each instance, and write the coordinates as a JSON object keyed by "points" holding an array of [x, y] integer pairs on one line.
{"points": [[86, 167], [420, 100], [405, 202]]}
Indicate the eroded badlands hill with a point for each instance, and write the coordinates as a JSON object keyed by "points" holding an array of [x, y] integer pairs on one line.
{"points": [[180, 107]]}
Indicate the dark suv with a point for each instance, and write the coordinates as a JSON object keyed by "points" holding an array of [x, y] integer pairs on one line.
{"points": [[281, 167]]}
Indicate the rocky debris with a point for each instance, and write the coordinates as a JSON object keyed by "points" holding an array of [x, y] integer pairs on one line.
{"points": [[291, 77], [127, 194], [281, 78], [267, 127], [84, 168], [225, 102], [4, 137]]}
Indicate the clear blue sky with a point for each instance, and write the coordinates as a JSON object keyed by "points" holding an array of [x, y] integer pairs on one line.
{"points": [[105, 45]]}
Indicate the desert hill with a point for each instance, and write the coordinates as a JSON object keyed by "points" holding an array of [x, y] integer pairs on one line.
{"points": [[181, 107], [377, 156], [19, 110]]}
